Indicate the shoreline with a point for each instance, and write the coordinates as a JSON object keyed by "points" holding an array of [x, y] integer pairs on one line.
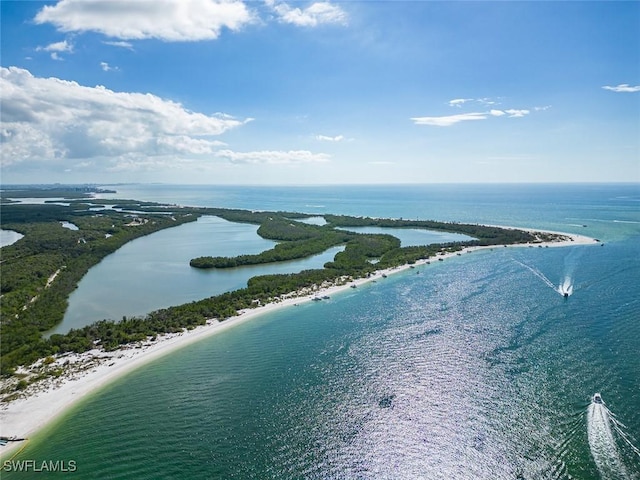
{"points": [[53, 397]]}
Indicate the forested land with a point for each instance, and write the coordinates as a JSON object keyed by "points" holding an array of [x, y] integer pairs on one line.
{"points": [[485, 235], [41, 270]]}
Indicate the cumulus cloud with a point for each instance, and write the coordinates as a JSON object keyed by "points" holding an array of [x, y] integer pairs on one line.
{"points": [[167, 20], [46, 119], [623, 88], [62, 46], [317, 13], [57, 48], [274, 157]]}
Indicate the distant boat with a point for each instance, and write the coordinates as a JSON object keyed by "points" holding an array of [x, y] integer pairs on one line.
{"points": [[354, 286], [326, 297], [597, 398], [566, 294], [316, 299]]}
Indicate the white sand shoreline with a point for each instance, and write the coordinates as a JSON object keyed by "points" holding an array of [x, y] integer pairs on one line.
{"points": [[24, 417]]}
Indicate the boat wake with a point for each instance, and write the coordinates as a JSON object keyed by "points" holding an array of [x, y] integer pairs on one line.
{"points": [[570, 262], [603, 431], [538, 274], [566, 287]]}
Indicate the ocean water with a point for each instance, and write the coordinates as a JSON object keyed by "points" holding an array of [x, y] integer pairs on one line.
{"points": [[475, 368]]}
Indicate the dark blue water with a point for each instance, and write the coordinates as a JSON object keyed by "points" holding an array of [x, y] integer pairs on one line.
{"points": [[477, 368]]}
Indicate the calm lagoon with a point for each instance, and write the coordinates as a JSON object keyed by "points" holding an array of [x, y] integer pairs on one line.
{"points": [[153, 272]]}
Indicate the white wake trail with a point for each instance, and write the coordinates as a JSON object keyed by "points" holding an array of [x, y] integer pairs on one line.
{"points": [[601, 424], [538, 274]]}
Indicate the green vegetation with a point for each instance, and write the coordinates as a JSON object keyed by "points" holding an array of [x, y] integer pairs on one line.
{"points": [[299, 240], [485, 235], [40, 271]]}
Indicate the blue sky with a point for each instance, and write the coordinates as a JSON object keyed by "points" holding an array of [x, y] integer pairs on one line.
{"points": [[275, 92]]}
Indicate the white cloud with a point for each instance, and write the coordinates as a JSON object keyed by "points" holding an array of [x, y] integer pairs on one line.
{"points": [[120, 44], [513, 113], [167, 20], [318, 13], [486, 101], [62, 46], [56, 48], [623, 88], [274, 157], [458, 102], [448, 120], [184, 144], [325, 138], [47, 119], [106, 67]]}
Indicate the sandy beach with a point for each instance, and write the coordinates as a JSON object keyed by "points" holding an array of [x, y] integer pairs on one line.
{"points": [[84, 373]]}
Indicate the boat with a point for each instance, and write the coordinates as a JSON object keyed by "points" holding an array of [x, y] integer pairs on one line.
{"points": [[316, 299], [597, 398], [566, 294], [326, 297]]}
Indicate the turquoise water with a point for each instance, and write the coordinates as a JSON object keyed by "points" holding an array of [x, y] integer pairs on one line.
{"points": [[477, 368]]}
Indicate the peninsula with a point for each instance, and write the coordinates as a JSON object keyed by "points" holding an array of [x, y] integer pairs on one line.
{"points": [[41, 377]]}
